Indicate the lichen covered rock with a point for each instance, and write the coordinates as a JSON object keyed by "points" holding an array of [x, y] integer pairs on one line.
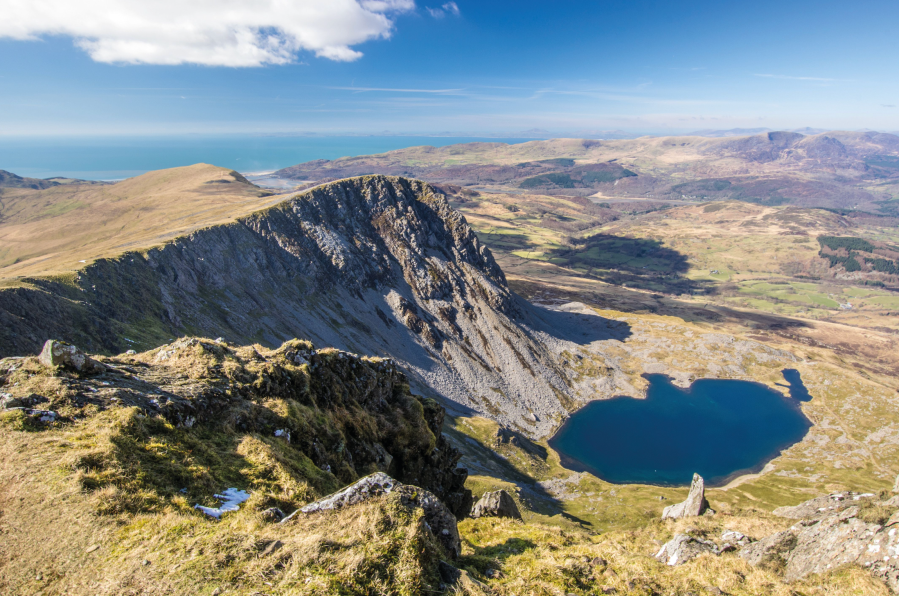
{"points": [[685, 547], [59, 353], [438, 518], [834, 531]]}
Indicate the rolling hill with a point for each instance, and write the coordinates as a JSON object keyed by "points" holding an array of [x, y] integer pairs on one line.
{"points": [[845, 170]]}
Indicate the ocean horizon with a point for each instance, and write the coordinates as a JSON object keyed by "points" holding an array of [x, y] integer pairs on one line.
{"points": [[117, 158]]}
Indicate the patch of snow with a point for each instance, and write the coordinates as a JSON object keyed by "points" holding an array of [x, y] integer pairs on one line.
{"points": [[231, 499]]}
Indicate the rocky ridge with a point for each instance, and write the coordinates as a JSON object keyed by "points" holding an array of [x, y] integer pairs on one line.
{"points": [[373, 265]]}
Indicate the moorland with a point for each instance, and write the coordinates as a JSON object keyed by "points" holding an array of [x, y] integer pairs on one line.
{"points": [[729, 258]]}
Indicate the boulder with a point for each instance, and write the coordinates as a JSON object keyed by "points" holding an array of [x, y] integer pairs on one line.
{"points": [[695, 504], [437, 516], [496, 504], [683, 548], [272, 515], [8, 401], [735, 538], [61, 354]]}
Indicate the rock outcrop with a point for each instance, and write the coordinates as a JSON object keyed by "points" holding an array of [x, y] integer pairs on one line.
{"points": [[329, 416], [440, 520], [376, 485], [821, 506], [771, 550], [695, 504], [498, 503], [460, 579], [372, 265], [685, 547], [834, 530]]}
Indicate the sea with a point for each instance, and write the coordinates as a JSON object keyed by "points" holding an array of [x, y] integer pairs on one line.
{"points": [[117, 158]]}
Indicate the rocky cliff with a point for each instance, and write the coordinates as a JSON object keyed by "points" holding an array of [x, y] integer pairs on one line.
{"points": [[374, 265]]}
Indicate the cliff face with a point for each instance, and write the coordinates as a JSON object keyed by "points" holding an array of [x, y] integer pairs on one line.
{"points": [[374, 265]]}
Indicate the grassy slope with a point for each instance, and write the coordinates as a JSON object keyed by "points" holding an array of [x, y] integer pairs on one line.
{"points": [[52, 231], [98, 493], [108, 490], [736, 254]]}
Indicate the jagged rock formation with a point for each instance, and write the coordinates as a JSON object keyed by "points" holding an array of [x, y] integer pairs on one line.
{"points": [[498, 503], [374, 265], [696, 503]]}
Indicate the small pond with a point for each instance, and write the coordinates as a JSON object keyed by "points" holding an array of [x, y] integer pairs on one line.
{"points": [[718, 428]]}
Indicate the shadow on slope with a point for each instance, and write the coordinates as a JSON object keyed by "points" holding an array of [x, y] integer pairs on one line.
{"points": [[628, 301], [580, 328], [631, 262]]}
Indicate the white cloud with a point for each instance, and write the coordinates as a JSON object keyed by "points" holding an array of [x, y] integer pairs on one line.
{"points": [[449, 7], [208, 32]]}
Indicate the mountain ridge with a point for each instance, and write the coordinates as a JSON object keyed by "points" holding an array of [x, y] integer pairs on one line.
{"points": [[374, 265]]}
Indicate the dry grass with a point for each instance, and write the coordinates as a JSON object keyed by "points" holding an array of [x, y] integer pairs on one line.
{"points": [[49, 232], [544, 560]]}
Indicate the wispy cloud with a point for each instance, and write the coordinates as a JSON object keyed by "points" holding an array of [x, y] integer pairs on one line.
{"points": [[394, 90], [887, 105], [792, 78], [448, 8]]}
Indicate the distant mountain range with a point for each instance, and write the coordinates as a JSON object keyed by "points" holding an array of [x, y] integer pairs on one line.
{"points": [[599, 134], [835, 169]]}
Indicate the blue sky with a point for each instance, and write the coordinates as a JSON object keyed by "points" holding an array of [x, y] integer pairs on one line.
{"points": [[368, 66]]}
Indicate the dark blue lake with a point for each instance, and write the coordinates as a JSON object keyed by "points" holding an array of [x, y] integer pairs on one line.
{"points": [[718, 428]]}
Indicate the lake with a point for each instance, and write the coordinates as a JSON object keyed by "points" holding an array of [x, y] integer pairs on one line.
{"points": [[717, 428], [114, 158]]}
